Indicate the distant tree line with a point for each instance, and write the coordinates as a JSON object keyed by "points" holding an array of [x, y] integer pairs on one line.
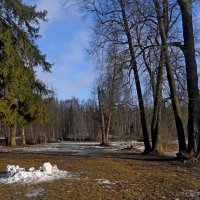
{"points": [[75, 120]]}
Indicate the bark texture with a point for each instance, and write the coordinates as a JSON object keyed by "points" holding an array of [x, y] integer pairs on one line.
{"points": [[13, 130], [157, 111], [163, 19], [192, 76]]}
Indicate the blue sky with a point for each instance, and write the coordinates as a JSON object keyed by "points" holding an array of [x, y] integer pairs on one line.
{"points": [[64, 39]]}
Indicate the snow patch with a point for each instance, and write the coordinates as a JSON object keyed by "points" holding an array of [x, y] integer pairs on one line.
{"points": [[33, 193], [141, 148], [171, 153], [192, 193], [107, 182], [47, 172], [47, 168]]}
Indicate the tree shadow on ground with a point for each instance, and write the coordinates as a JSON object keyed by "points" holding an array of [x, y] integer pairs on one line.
{"points": [[3, 174], [115, 155]]}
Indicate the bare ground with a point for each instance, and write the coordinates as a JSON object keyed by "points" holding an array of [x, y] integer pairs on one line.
{"points": [[126, 175]]}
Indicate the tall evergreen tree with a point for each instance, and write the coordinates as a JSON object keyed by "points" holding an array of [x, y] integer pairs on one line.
{"points": [[20, 90]]}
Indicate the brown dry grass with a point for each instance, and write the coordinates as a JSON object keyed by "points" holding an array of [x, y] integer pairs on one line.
{"points": [[131, 177]]}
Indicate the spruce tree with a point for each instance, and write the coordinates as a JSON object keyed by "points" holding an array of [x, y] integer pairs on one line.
{"points": [[22, 97]]}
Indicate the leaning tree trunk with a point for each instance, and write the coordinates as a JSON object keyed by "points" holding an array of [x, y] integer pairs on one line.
{"points": [[157, 110], [163, 19], [175, 104], [13, 132], [137, 80], [192, 76]]}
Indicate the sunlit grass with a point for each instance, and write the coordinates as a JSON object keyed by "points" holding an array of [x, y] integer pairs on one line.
{"points": [[107, 178]]}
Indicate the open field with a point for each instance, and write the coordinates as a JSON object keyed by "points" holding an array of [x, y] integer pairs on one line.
{"points": [[122, 175]]}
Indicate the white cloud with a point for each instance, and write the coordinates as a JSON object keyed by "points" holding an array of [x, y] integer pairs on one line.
{"points": [[64, 40], [57, 12], [53, 8]]}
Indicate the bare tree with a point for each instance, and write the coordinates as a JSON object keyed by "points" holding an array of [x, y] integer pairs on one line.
{"points": [[136, 76], [164, 28], [192, 76]]}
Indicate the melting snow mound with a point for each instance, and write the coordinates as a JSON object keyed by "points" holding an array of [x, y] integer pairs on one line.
{"points": [[47, 172]]}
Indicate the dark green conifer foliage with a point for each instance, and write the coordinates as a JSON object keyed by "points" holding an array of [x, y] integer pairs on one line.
{"points": [[23, 97]]}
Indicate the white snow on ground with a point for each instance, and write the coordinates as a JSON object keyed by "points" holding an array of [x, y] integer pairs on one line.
{"points": [[141, 148], [104, 181], [84, 148], [47, 172], [171, 153], [80, 148], [33, 193], [107, 182], [192, 194]]}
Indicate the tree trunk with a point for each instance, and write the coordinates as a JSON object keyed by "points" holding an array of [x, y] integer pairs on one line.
{"points": [[175, 104], [32, 135], [23, 136], [103, 139], [45, 137], [156, 119], [102, 116], [108, 129], [192, 76], [162, 17], [13, 134], [137, 80]]}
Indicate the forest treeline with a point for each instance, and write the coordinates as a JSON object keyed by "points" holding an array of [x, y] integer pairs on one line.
{"points": [[73, 120], [145, 52]]}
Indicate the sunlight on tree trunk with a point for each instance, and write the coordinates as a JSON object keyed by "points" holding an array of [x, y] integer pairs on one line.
{"points": [[157, 111], [23, 136], [13, 135], [192, 76]]}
